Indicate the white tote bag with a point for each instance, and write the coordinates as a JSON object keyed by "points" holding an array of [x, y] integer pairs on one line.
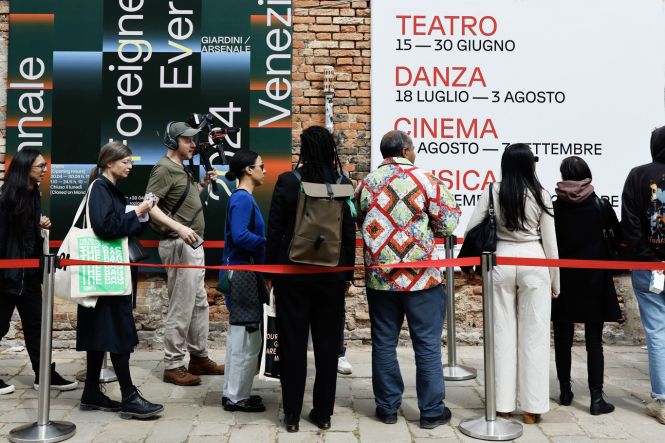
{"points": [[83, 284], [269, 368]]}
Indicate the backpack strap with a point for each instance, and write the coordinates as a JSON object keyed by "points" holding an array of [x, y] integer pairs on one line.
{"points": [[349, 201], [337, 182]]}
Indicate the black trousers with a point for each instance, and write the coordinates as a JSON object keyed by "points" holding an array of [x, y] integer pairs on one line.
{"points": [[29, 306], [301, 305], [563, 342]]}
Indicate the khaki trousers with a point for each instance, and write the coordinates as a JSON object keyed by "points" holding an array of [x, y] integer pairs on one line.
{"points": [[186, 327], [522, 305]]}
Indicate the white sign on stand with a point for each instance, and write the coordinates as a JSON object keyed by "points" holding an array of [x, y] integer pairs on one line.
{"points": [[468, 77]]}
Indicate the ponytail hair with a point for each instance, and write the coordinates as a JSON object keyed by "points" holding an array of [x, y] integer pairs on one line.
{"points": [[110, 152]]}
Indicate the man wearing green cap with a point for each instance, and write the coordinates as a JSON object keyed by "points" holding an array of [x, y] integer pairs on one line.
{"points": [[179, 216]]}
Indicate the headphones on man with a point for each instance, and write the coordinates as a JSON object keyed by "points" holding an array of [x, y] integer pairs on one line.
{"points": [[170, 142]]}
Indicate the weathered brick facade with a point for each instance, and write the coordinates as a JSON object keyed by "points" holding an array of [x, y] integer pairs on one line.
{"points": [[326, 33]]}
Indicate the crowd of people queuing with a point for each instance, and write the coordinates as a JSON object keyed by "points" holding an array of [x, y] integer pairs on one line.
{"points": [[399, 210]]}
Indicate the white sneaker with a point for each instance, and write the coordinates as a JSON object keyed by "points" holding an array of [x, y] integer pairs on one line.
{"points": [[343, 366], [657, 409], [5, 388]]}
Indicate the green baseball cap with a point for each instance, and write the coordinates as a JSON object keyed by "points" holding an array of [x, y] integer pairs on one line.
{"points": [[181, 128]]}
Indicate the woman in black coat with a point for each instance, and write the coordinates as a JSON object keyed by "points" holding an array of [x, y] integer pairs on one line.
{"points": [[587, 295], [20, 238], [314, 300], [109, 326]]}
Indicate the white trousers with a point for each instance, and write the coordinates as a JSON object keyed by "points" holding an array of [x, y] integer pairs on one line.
{"points": [[522, 305], [242, 358]]}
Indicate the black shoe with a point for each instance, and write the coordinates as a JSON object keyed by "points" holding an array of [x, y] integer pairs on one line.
{"points": [[291, 421], [57, 382], [389, 419], [5, 388], [252, 399], [245, 405], [92, 400], [321, 422], [567, 395], [135, 406], [433, 422], [598, 403]]}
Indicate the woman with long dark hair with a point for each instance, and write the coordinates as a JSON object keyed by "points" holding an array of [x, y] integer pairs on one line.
{"points": [[587, 295], [525, 228], [309, 300], [109, 326], [20, 237], [245, 241]]}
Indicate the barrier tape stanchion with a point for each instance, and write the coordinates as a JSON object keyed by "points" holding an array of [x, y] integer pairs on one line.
{"points": [[489, 427], [106, 374], [45, 430], [452, 371]]}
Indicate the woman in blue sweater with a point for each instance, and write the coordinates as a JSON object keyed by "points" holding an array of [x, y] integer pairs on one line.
{"points": [[244, 243]]}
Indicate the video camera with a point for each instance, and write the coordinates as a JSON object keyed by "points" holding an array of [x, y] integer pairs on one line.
{"points": [[210, 135]]}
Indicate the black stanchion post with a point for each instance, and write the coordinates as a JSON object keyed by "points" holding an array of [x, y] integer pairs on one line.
{"points": [[45, 430], [489, 426], [452, 371]]}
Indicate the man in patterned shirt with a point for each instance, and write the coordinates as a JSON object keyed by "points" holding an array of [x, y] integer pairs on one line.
{"points": [[402, 210]]}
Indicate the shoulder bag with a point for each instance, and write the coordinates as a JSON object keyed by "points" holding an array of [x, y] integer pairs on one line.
{"points": [[481, 238], [83, 284]]}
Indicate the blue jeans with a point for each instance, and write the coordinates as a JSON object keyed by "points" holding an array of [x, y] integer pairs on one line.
{"points": [[652, 312], [425, 311]]}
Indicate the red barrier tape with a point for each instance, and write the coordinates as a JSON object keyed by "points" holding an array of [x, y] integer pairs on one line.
{"points": [[272, 269], [219, 244], [26, 263], [289, 269], [580, 264], [305, 269]]}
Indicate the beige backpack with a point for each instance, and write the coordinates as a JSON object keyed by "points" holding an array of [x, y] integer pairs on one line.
{"points": [[317, 237]]}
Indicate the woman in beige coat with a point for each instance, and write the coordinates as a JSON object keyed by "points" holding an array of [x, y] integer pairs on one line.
{"points": [[522, 295]]}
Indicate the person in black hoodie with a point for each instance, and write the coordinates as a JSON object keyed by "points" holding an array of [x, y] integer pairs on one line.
{"points": [[109, 326], [587, 295], [643, 226], [314, 300], [20, 237]]}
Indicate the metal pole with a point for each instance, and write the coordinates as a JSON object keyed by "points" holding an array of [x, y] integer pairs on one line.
{"points": [[45, 430], [106, 374], [489, 427], [452, 371]]}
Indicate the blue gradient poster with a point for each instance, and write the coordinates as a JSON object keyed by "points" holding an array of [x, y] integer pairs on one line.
{"points": [[85, 72]]}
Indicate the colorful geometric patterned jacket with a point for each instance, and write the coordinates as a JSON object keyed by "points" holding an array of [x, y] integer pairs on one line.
{"points": [[402, 209]]}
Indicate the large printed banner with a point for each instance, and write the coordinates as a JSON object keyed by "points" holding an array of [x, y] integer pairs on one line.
{"points": [[465, 78], [84, 72]]}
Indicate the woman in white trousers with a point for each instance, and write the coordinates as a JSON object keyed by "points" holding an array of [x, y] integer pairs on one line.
{"points": [[521, 295]]}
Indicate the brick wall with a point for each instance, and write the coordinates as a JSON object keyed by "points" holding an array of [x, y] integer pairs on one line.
{"points": [[326, 33]]}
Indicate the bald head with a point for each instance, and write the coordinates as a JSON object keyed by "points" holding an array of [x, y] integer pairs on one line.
{"points": [[394, 143]]}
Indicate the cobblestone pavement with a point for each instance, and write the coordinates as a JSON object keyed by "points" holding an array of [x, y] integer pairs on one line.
{"points": [[194, 414]]}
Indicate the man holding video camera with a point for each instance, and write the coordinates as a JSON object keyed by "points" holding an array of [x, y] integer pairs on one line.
{"points": [[178, 216]]}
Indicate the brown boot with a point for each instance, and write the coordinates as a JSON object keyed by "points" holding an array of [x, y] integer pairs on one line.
{"points": [[180, 376], [529, 418], [204, 366]]}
